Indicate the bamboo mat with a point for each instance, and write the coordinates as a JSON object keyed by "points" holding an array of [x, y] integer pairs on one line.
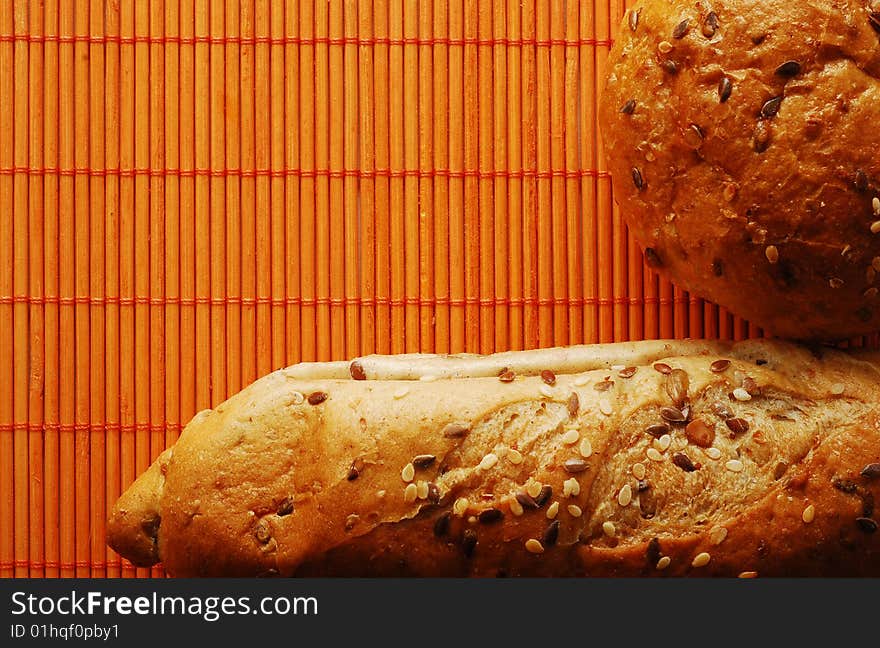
{"points": [[195, 193]]}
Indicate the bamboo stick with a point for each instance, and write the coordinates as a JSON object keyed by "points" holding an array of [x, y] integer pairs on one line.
{"points": [[604, 214], [530, 181], [307, 188], [397, 165], [411, 216], [82, 351], [142, 275], [350, 182], [188, 391], [7, 333], [276, 97], [472, 261], [217, 203], [501, 182], [127, 398], [248, 227], [366, 185], [97, 290], [382, 139], [559, 261], [457, 252], [590, 182], [574, 265], [36, 287], [485, 165], [113, 346], [322, 182], [546, 309], [20, 281], [443, 260], [262, 209], [336, 220], [173, 217], [514, 113], [292, 182], [426, 207], [233, 129], [51, 447], [202, 156]]}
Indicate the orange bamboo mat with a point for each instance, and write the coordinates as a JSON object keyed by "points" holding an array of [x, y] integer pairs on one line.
{"points": [[194, 193]]}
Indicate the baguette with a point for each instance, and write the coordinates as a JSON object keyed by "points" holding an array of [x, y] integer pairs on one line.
{"points": [[678, 458]]}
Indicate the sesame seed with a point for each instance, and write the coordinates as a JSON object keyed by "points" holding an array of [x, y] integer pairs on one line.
{"points": [[734, 465], [748, 574], [663, 563], [455, 430], [717, 535], [408, 472], [638, 470], [574, 510], [544, 496], [875, 227], [488, 461], [400, 393], [580, 381], [837, 389], [546, 391], [741, 394], [423, 461], [514, 456], [575, 465], [571, 487], [835, 283], [571, 437], [701, 560], [534, 488], [771, 253], [573, 404], [663, 443], [490, 515], [460, 506], [422, 489], [410, 493], [657, 430], [515, 507], [609, 529], [809, 514], [875, 263], [654, 455], [713, 453], [624, 497], [870, 293], [662, 367], [627, 372], [534, 546], [665, 47], [297, 398], [427, 378], [605, 407], [875, 203], [719, 366], [552, 510], [585, 448], [684, 462]]}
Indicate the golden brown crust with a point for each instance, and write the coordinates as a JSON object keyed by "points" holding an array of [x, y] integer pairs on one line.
{"points": [[449, 477], [743, 143]]}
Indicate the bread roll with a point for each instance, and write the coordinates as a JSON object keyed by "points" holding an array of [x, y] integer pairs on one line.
{"points": [[743, 143], [643, 459]]}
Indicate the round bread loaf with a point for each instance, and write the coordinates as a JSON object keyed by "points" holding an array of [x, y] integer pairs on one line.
{"points": [[743, 138]]}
